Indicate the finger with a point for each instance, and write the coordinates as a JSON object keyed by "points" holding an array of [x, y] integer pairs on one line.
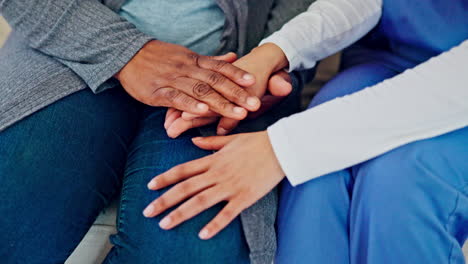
{"points": [[229, 57], [180, 125], [169, 111], [225, 87], [174, 114], [179, 173], [197, 204], [212, 143], [232, 72], [205, 93], [226, 125], [176, 194], [280, 84], [268, 101], [170, 97], [189, 116], [221, 220]]}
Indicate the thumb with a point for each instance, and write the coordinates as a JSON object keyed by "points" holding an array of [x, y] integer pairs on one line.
{"points": [[229, 57], [212, 143], [226, 125], [280, 84]]}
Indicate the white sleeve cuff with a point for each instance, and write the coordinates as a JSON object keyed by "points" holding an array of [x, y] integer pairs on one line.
{"points": [[294, 58]]}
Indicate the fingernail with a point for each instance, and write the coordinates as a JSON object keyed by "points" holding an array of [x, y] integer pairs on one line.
{"points": [[203, 234], [248, 77], [197, 138], [188, 116], [238, 110], [202, 107], [152, 184], [164, 224], [252, 101], [149, 210], [222, 131]]}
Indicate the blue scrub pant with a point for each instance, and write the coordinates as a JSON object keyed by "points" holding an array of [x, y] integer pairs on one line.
{"points": [[409, 205]]}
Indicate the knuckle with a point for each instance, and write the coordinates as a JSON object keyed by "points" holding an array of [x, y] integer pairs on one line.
{"points": [[239, 92], [248, 192], [162, 180], [224, 105], [219, 65], [185, 187], [160, 203], [227, 214], [201, 199], [186, 100], [216, 78], [157, 97], [171, 94], [194, 58], [171, 76], [201, 89], [178, 170], [222, 170], [157, 83], [179, 65], [214, 225], [177, 215]]}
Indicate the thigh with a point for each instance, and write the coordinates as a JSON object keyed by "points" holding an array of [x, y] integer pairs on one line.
{"points": [[415, 198], [313, 220], [58, 168], [313, 217], [140, 240], [353, 80]]}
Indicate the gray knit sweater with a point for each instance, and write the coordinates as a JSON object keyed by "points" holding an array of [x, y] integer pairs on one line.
{"points": [[58, 47]]}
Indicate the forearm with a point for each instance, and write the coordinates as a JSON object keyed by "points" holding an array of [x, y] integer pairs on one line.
{"points": [[85, 35], [424, 102]]}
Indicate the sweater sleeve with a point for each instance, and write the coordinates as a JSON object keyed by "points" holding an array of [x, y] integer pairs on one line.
{"points": [[84, 35], [423, 102], [325, 28]]}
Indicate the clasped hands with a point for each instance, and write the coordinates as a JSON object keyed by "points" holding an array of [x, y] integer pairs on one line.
{"points": [[200, 90]]}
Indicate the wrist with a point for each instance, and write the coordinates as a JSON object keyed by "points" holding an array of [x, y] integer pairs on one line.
{"points": [[272, 54], [274, 158], [121, 73]]}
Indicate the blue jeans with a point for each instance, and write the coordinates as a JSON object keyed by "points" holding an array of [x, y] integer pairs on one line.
{"points": [[139, 239], [61, 166], [409, 205]]}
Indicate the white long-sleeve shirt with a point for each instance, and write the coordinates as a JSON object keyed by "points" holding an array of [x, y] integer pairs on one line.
{"points": [[426, 101]]}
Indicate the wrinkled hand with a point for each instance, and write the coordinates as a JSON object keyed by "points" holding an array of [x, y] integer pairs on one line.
{"points": [[261, 62], [243, 171], [177, 122], [164, 74]]}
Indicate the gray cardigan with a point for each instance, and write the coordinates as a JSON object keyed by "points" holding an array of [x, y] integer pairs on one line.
{"points": [[59, 47]]}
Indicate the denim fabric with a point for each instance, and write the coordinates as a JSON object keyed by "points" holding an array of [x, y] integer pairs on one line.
{"points": [[141, 240], [409, 205], [58, 169], [61, 166]]}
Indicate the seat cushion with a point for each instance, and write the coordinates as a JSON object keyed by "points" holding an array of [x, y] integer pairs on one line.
{"points": [[95, 245]]}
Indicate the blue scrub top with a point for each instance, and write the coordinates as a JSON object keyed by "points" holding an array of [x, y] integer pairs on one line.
{"points": [[416, 30]]}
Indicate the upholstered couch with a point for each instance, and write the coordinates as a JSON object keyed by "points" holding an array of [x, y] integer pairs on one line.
{"points": [[95, 245]]}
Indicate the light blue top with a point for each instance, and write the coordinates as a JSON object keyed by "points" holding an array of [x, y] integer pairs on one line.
{"points": [[195, 24]]}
